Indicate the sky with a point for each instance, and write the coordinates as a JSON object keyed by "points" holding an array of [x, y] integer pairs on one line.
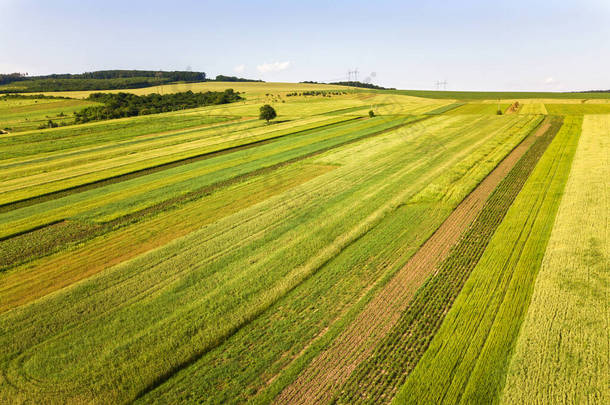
{"points": [[472, 45]]}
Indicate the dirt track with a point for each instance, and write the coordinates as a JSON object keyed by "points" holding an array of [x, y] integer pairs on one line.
{"points": [[330, 370]]}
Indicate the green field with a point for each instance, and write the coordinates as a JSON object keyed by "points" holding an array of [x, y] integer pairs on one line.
{"points": [[205, 256], [495, 95], [477, 337], [27, 114], [480, 108], [578, 109], [571, 290], [533, 108]]}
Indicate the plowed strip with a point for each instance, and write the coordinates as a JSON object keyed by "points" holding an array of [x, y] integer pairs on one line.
{"points": [[332, 367]]}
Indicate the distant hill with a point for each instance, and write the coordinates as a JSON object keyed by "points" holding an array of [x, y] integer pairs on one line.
{"points": [[223, 78], [355, 84], [98, 80]]}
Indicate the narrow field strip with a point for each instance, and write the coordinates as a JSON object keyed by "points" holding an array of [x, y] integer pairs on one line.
{"points": [[214, 132], [478, 108], [114, 167], [533, 108], [52, 140], [577, 109], [139, 324], [444, 109], [198, 377], [24, 285], [119, 199], [155, 167], [319, 382], [51, 161], [467, 360], [384, 371], [562, 354]]}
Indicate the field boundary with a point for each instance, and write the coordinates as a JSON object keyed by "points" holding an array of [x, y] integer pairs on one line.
{"points": [[149, 170], [196, 193], [331, 368], [398, 353]]}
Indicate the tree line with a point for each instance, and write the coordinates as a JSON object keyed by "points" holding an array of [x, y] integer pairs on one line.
{"points": [[103, 80], [128, 105], [354, 84], [31, 97], [223, 78], [323, 93], [99, 80], [176, 76]]}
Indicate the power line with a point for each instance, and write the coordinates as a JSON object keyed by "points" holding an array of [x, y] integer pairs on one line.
{"points": [[441, 84], [353, 73]]}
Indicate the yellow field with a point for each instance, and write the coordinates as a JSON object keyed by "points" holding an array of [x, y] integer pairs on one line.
{"points": [[532, 108]]}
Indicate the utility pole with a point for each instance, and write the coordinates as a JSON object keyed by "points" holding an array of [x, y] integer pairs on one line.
{"points": [[442, 84], [352, 75]]}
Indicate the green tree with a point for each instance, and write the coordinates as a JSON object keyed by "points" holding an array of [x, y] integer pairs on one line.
{"points": [[267, 113], [371, 114]]}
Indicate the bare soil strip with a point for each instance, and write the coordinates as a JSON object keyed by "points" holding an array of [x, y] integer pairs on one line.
{"points": [[331, 369], [546, 124]]}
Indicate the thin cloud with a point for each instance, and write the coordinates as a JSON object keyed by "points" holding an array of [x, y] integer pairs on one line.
{"points": [[239, 68], [273, 67]]}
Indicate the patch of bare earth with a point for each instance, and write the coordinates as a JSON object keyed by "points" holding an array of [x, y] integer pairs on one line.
{"points": [[543, 128], [331, 368]]}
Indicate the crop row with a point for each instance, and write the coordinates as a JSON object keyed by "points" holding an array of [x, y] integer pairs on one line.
{"points": [[333, 365], [377, 379], [22, 182], [192, 295], [562, 353], [467, 358], [119, 199], [479, 108], [33, 143], [444, 109]]}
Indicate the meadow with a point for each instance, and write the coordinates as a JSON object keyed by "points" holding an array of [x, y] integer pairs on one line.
{"points": [[205, 256], [26, 114]]}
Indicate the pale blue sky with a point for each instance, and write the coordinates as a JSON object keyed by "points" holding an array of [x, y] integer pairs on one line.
{"points": [[474, 45]]}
